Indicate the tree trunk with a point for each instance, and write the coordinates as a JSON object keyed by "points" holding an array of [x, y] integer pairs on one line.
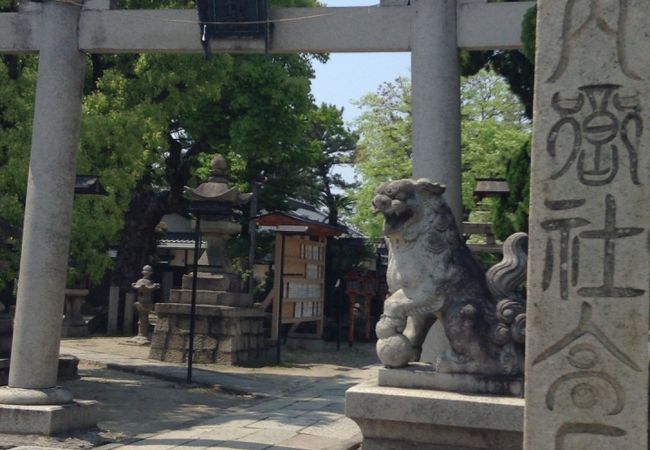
{"points": [[138, 240]]}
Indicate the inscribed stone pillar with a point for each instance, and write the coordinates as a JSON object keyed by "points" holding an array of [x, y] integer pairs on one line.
{"points": [[587, 333], [436, 97], [48, 210]]}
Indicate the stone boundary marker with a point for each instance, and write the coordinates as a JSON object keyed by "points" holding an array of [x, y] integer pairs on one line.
{"points": [[587, 334]]}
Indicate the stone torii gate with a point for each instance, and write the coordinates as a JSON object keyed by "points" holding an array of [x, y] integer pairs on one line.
{"points": [[62, 31]]}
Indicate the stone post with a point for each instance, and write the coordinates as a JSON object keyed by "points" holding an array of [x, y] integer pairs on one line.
{"points": [[113, 309], [48, 211], [166, 285], [129, 305], [587, 331], [436, 98]]}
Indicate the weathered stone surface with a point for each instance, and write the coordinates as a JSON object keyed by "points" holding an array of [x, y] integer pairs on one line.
{"points": [[409, 419], [224, 317], [587, 350], [206, 297], [48, 205], [48, 420], [433, 276], [222, 334], [157, 352], [211, 281], [208, 310], [423, 376], [144, 287], [163, 324]]}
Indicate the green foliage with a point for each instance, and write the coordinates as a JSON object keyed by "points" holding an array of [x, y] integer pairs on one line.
{"points": [[493, 129], [512, 65], [332, 144], [148, 122], [510, 215], [384, 150], [266, 104], [8, 5], [17, 82]]}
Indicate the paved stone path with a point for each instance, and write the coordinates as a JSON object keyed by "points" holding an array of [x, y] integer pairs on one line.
{"points": [[307, 414]]}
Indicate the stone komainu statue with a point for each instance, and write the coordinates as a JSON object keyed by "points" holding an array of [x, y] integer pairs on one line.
{"points": [[432, 275]]}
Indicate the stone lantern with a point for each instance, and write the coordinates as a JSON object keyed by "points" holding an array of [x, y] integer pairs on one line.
{"points": [[214, 201], [228, 328], [144, 288]]}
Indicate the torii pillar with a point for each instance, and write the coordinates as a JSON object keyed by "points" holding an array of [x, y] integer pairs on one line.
{"points": [[435, 76], [32, 403]]}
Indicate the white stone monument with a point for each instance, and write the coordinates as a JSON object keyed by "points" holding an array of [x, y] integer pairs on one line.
{"points": [[587, 331]]}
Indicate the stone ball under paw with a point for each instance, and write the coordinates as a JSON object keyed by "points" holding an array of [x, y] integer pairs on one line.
{"points": [[389, 326], [395, 351]]}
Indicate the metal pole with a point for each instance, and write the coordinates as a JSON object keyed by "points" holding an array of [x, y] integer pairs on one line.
{"points": [[197, 246], [279, 304]]}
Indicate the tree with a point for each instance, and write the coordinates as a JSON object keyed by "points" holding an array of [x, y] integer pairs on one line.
{"points": [[17, 81], [493, 129], [333, 144], [510, 214], [149, 122], [384, 149]]}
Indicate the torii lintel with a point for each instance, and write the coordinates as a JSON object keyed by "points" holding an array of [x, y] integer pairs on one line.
{"points": [[481, 26]]}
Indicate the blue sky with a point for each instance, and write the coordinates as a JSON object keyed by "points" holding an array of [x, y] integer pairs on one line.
{"points": [[348, 76]]}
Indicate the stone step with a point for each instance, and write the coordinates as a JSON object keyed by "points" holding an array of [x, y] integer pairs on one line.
{"points": [[210, 297], [213, 281]]}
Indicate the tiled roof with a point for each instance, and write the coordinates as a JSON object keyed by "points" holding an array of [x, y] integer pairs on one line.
{"points": [[177, 240]]}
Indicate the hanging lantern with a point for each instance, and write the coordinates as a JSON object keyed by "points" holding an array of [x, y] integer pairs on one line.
{"points": [[227, 19]]}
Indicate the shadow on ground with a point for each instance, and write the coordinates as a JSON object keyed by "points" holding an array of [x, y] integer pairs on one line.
{"points": [[136, 404]]}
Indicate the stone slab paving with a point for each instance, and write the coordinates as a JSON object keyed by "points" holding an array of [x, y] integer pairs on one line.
{"points": [[305, 415], [272, 424]]}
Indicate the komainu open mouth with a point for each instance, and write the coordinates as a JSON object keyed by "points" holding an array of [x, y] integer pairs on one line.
{"points": [[396, 218]]}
